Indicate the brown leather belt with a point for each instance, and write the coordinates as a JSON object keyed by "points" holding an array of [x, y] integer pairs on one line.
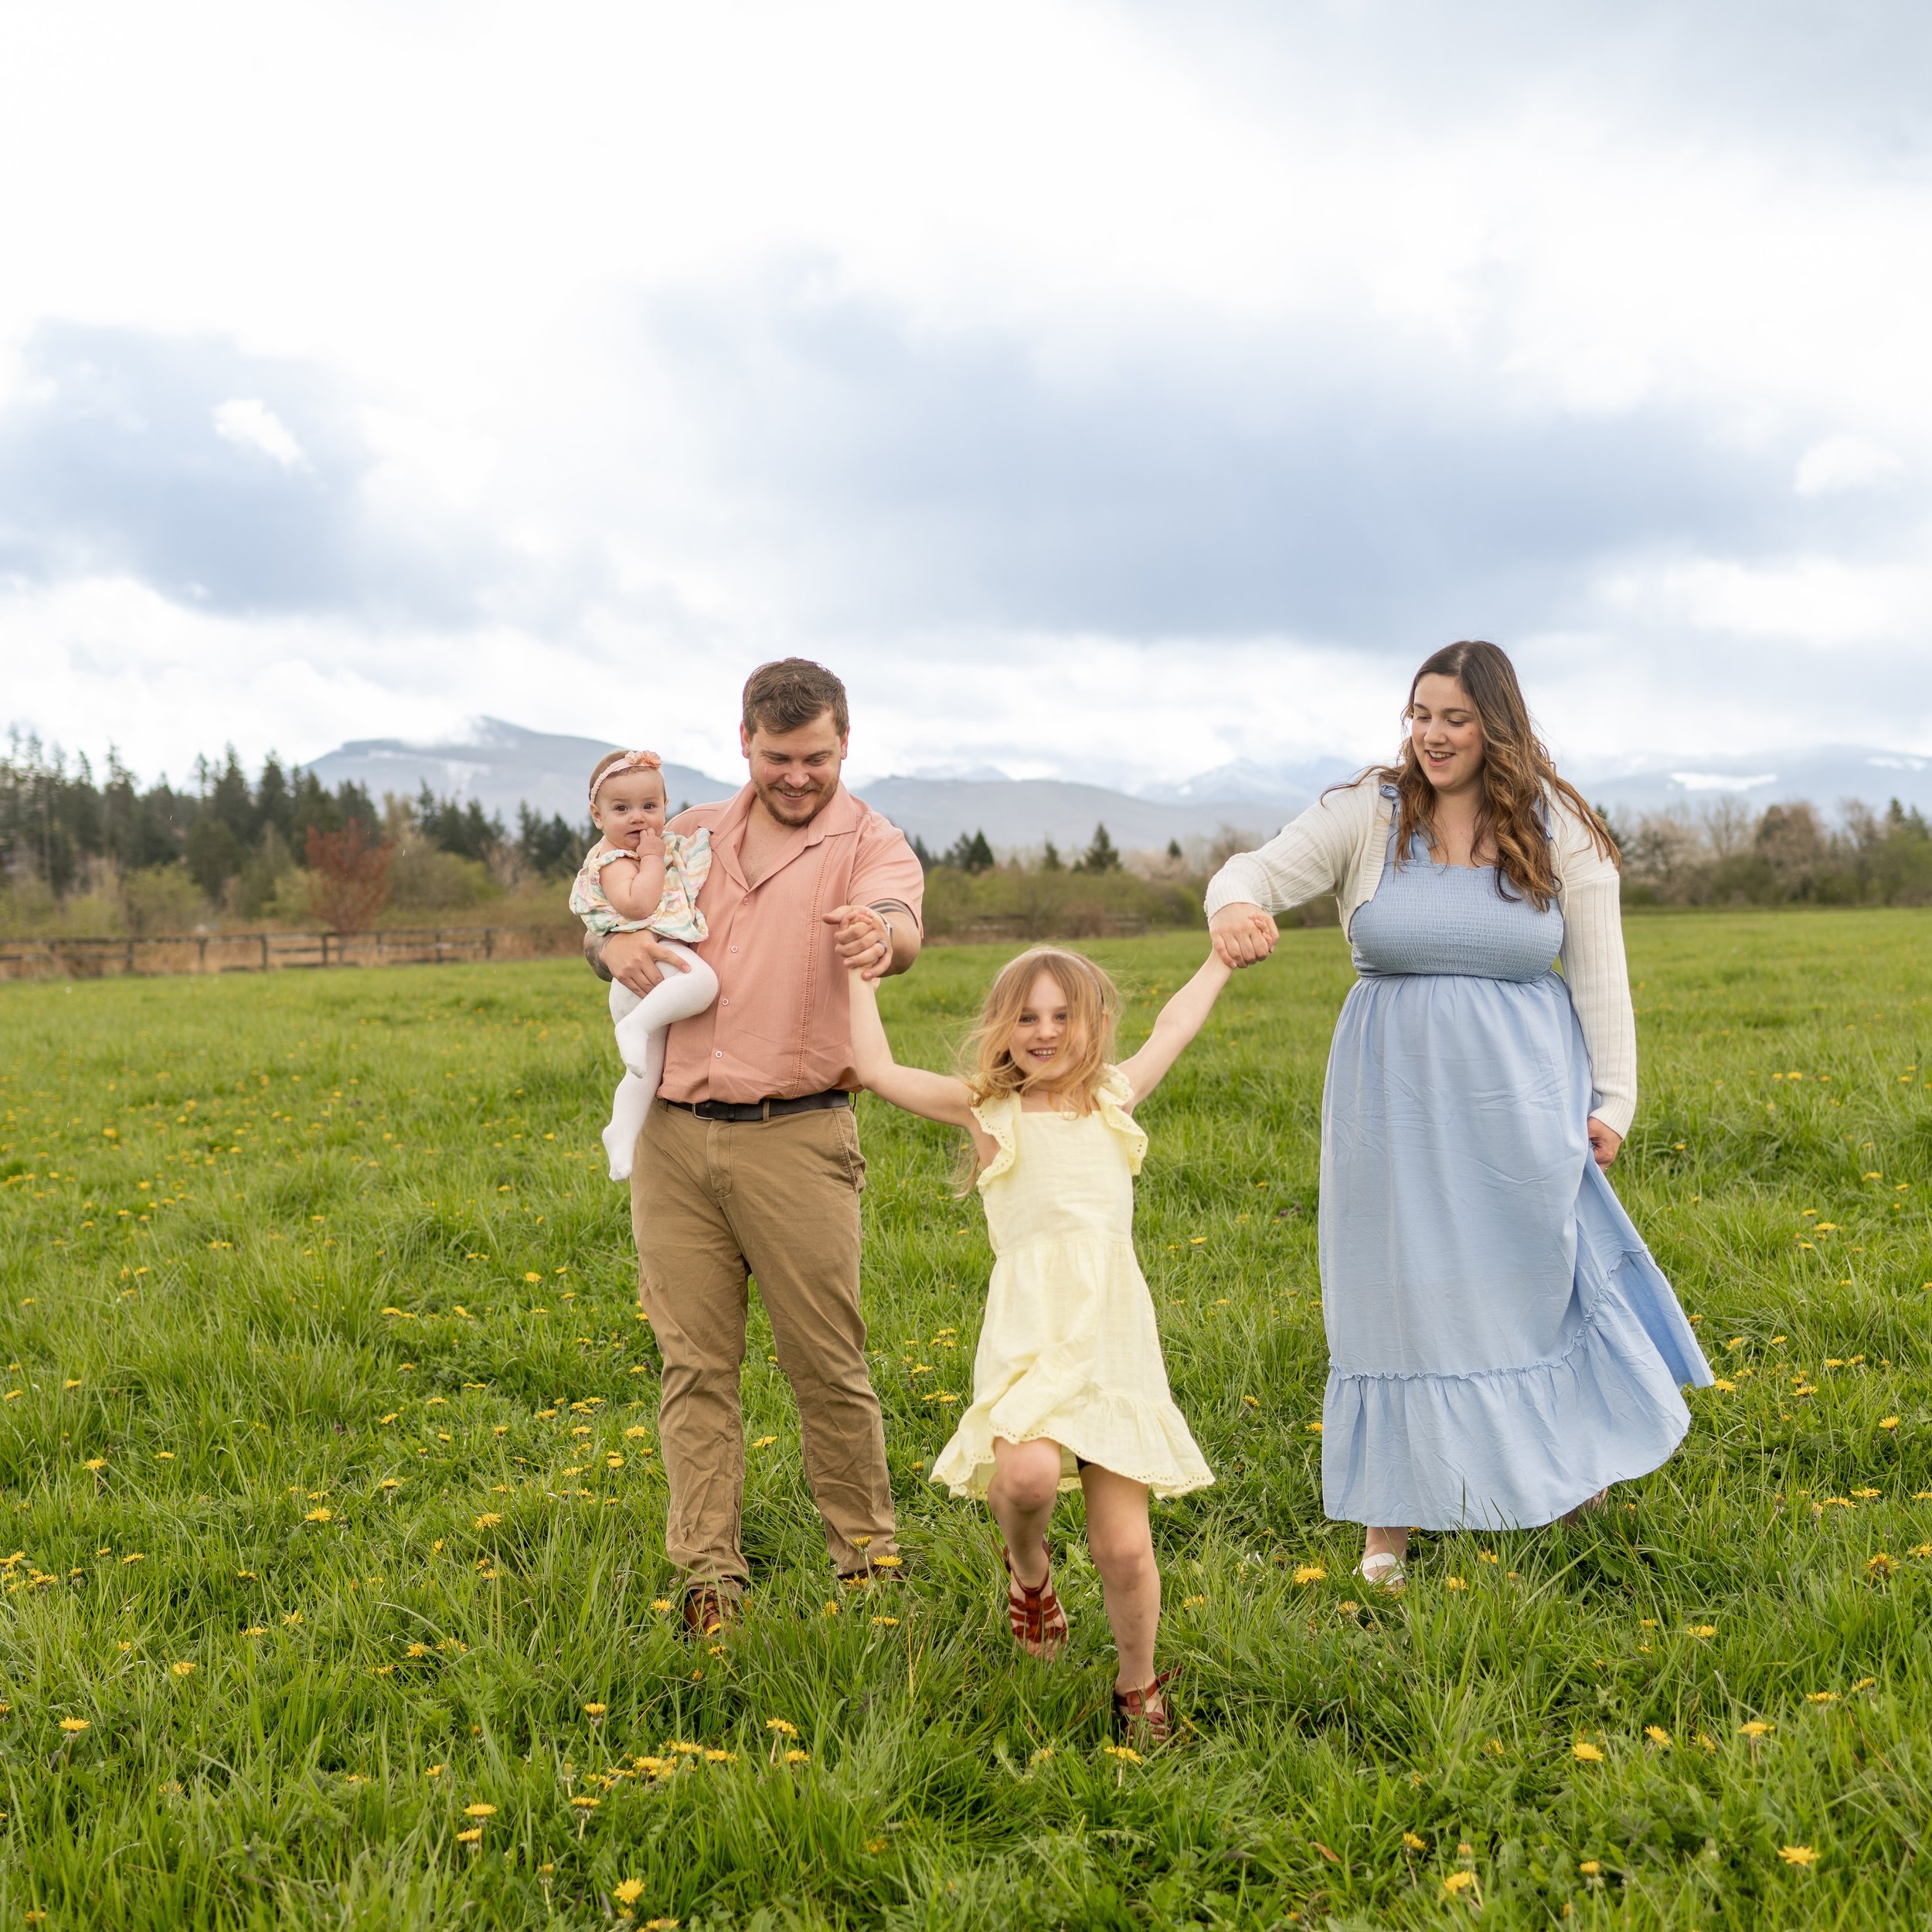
{"points": [[762, 1109]]}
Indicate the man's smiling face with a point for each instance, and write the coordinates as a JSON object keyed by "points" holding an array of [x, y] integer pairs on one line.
{"points": [[795, 772]]}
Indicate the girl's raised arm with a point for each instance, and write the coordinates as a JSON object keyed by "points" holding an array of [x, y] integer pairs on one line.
{"points": [[1181, 1019], [635, 886], [933, 1097]]}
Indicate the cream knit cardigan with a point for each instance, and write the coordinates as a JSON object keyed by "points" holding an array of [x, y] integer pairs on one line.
{"points": [[1338, 846]]}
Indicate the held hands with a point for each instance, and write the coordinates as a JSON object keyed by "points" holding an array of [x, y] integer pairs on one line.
{"points": [[1241, 934], [1603, 1142], [865, 946]]}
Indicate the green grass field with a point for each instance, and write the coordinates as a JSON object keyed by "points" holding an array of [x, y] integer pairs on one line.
{"points": [[334, 1591]]}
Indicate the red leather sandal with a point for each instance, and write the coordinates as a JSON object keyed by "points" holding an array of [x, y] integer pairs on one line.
{"points": [[1140, 1717], [1033, 1613]]}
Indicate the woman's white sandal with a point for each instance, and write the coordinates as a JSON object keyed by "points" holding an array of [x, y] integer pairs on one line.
{"points": [[1382, 1571]]}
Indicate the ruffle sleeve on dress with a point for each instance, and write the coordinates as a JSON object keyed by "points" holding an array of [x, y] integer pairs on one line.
{"points": [[996, 1116], [1114, 1096]]}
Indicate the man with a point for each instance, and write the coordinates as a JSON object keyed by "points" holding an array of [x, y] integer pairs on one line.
{"points": [[749, 1162]]}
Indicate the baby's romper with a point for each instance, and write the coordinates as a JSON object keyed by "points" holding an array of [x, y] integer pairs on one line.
{"points": [[642, 1020], [1068, 1349]]}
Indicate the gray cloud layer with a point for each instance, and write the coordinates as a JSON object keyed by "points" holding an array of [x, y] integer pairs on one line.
{"points": [[1307, 485], [111, 463]]}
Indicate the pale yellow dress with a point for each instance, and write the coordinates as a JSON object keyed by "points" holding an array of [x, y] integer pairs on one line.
{"points": [[1069, 1350]]}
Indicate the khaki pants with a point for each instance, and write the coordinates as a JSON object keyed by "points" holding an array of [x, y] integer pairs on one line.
{"points": [[712, 1202]]}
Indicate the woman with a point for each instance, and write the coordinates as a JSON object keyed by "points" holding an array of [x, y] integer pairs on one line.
{"points": [[1502, 1347]]}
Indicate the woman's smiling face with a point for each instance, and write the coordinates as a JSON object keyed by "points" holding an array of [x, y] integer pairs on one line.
{"points": [[1446, 733], [1042, 1034]]}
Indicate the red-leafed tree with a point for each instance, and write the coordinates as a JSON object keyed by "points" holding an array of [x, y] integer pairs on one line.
{"points": [[349, 876]]}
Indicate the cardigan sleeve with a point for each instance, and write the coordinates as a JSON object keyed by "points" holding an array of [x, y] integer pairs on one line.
{"points": [[1311, 856], [1595, 970]]}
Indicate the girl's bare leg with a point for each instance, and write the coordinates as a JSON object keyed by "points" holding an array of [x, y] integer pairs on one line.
{"points": [[1026, 1477], [1122, 1546]]}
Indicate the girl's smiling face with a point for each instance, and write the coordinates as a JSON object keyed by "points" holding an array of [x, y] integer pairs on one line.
{"points": [[1042, 1036], [1446, 733], [628, 804]]}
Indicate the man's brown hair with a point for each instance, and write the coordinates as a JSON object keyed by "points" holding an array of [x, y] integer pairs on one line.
{"points": [[789, 693]]}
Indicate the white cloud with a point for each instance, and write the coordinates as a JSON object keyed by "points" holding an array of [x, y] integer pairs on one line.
{"points": [[249, 422], [1093, 190], [1846, 463]]}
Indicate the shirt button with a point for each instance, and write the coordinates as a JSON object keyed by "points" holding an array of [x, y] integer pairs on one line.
{"points": [[734, 949], [717, 1056], [724, 1002]]}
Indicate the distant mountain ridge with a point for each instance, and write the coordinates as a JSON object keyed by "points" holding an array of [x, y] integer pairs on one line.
{"points": [[501, 765]]}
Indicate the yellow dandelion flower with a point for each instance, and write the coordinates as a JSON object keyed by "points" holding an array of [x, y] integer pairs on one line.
{"points": [[1589, 1867], [595, 1710], [721, 1757], [1658, 1736], [798, 1757], [293, 1618], [1797, 1855], [783, 1726], [95, 1463], [479, 1810], [183, 1669], [1310, 1573], [73, 1725], [1700, 1630], [1414, 1844], [1587, 1753], [661, 1925], [586, 1804], [1820, 1697], [1454, 1583], [1756, 1727], [1885, 1422], [528, 1276], [1880, 1565], [488, 1520], [627, 1891], [1122, 1752], [435, 1770], [685, 1750], [320, 1515], [1864, 1683], [661, 1604], [473, 1836], [1455, 1883]]}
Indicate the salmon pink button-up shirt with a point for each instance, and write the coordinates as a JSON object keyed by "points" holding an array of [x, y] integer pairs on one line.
{"points": [[778, 1028]]}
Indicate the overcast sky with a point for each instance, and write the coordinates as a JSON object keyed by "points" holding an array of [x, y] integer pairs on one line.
{"points": [[1111, 390]]}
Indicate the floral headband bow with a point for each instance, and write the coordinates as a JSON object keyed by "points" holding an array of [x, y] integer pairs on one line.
{"points": [[622, 761]]}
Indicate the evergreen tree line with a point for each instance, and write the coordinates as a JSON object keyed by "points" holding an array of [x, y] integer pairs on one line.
{"points": [[972, 853], [231, 843]]}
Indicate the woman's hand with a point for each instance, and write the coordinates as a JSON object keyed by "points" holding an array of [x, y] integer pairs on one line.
{"points": [[1241, 934], [1603, 1142]]}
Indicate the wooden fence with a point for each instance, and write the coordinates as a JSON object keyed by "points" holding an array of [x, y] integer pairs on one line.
{"points": [[278, 951]]}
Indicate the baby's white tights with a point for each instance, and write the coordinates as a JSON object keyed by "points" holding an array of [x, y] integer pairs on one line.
{"points": [[642, 1021]]}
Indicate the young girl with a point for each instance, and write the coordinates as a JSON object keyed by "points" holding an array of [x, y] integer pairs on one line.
{"points": [[1069, 1387], [639, 878]]}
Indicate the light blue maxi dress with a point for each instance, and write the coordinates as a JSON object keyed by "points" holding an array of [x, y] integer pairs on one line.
{"points": [[1501, 1346]]}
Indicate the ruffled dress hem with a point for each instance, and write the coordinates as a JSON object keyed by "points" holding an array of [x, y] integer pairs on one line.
{"points": [[1143, 1441], [1529, 1442]]}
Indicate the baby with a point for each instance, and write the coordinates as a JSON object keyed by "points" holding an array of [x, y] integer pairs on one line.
{"points": [[639, 878]]}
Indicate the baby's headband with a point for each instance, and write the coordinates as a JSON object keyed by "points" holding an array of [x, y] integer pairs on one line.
{"points": [[622, 761]]}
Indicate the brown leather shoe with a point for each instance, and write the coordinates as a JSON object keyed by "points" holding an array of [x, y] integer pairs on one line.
{"points": [[708, 1611]]}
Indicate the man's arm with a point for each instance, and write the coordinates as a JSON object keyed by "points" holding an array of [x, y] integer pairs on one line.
{"points": [[635, 960]]}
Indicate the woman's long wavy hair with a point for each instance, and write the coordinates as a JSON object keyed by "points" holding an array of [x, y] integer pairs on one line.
{"points": [[1518, 776], [1092, 1010]]}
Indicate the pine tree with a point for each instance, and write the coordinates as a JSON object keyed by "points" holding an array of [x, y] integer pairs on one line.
{"points": [[1101, 856]]}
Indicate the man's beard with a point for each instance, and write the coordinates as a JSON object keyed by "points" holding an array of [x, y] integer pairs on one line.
{"points": [[796, 808]]}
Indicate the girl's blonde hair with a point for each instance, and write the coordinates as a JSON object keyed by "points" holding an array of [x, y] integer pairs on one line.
{"points": [[1092, 1010]]}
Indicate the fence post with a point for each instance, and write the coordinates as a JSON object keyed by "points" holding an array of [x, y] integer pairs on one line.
{"points": [[489, 942], [264, 940], [201, 954], [131, 955]]}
